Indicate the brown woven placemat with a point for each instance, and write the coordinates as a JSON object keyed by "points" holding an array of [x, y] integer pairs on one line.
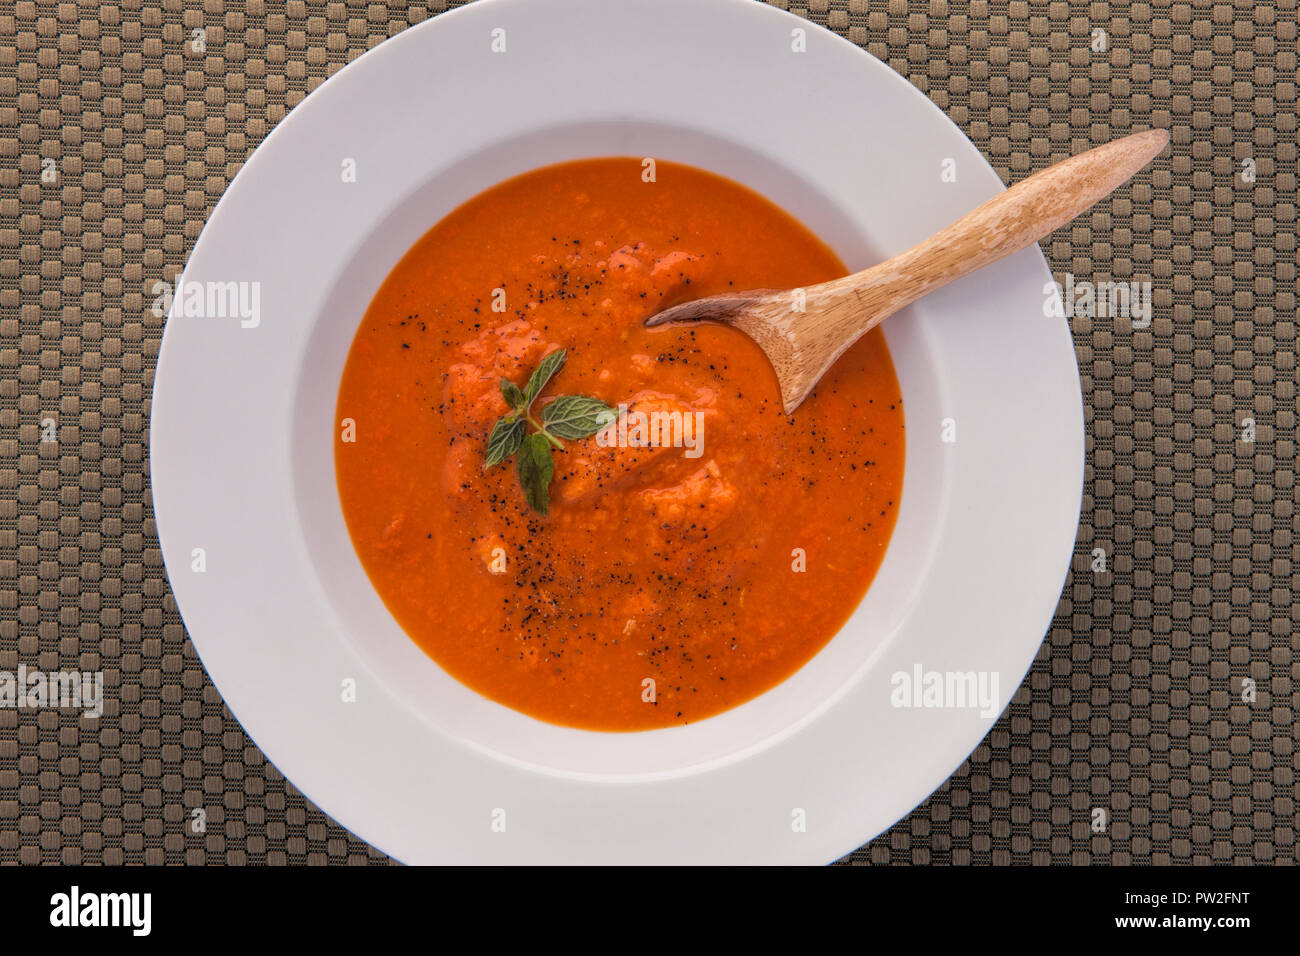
{"points": [[1135, 705]]}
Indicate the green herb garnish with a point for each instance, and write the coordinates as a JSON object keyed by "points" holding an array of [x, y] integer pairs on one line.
{"points": [[569, 416]]}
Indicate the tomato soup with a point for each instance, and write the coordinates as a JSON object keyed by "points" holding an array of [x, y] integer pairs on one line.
{"points": [[666, 581]]}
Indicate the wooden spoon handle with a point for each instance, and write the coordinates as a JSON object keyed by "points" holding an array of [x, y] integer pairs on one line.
{"points": [[1005, 224]]}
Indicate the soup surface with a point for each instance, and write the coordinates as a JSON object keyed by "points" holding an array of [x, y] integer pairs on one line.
{"points": [[668, 580]]}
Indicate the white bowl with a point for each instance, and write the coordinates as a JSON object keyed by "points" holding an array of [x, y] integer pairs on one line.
{"points": [[282, 612]]}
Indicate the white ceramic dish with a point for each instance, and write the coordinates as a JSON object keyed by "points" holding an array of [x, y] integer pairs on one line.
{"points": [[242, 457]]}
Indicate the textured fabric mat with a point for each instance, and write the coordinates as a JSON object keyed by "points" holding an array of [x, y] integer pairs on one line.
{"points": [[1139, 704]]}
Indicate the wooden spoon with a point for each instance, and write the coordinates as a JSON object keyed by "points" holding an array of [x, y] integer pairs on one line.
{"points": [[803, 331]]}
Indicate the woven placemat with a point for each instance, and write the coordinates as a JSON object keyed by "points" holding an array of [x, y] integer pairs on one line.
{"points": [[1158, 724]]}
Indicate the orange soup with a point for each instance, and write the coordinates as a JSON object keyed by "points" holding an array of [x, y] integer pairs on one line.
{"points": [[658, 575]]}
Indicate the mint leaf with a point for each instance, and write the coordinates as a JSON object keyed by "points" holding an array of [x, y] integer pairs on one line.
{"points": [[510, 392], [569, 416], [546, 370], [576, 416], [504, 440], [535, 467]]}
